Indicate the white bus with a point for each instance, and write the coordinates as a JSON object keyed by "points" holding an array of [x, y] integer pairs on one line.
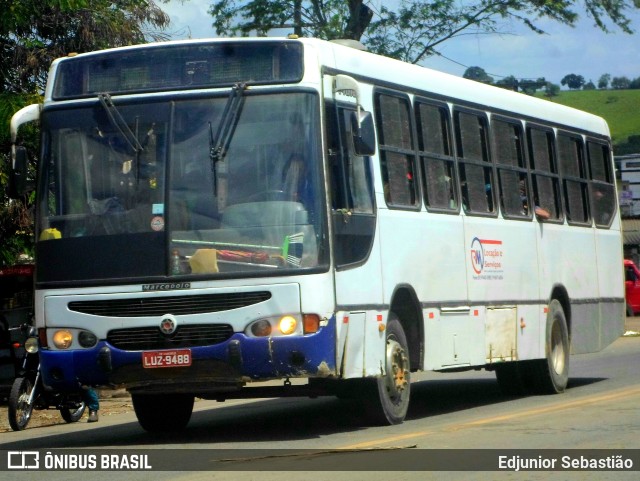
{"points": [[628, 167], [216, 213]]}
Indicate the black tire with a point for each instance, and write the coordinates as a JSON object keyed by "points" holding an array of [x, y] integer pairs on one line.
{"points": [[387, 397], [629, 311], [166, 413], [19, 408], [551, 375], [73, 415]]}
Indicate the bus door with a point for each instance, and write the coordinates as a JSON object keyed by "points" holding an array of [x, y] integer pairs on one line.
{"points": [[358, 283]]}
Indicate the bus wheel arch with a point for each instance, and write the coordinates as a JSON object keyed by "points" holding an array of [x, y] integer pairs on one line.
{"points": [[406, 308]]}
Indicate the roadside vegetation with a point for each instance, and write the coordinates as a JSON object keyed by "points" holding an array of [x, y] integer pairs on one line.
{"points": [[618, 107]]}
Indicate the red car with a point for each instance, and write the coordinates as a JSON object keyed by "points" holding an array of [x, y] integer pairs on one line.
{"points": [[632, 287]]}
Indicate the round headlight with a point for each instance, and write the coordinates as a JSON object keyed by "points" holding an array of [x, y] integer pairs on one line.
{"points": [[287, 325], [31, 345], [62, 339], [87, 339], [261, 328]]}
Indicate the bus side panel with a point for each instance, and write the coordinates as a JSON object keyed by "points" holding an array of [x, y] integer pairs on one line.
{"points": [[426, 252], [502, 271], [611, 278], [567, 261]]}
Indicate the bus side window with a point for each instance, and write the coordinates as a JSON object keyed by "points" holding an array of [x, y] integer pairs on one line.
{"points": [[546, 182], [512, 172], [436, 157], [574, 178], [476, 171], [602, 184], [397, 157]]}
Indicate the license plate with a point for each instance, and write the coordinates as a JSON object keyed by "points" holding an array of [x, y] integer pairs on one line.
{"points": [[174, 358]]}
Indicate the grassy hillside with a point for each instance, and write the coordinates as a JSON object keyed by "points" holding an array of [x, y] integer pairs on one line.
{"points": [[620, 108]]}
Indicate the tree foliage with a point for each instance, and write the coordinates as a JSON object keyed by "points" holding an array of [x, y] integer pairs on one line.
{"points": [[410, 30], [573, 81], [603, 81], [551, 90], [478, 74], [620, 83], [34, 32]]}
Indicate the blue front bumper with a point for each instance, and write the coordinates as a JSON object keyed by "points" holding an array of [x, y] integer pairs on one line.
{"points": [[237, 359]]}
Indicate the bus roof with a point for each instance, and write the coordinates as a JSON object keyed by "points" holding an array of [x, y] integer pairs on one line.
{"points": [[442, 85], [417, 79]]}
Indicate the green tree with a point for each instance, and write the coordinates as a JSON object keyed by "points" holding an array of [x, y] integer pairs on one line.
{"points": [[530, 86], [410, 30], [509, 83], [478, 74], [589, 86], [551, 90], [573, 81], [603, 81], [620, 83], [32, 34]]}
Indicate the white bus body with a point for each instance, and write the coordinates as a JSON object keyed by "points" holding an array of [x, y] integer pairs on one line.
{"points": [[394, 280]]}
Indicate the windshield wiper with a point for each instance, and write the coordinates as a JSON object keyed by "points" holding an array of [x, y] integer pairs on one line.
{"points": [[119, 123], [219, 143]]}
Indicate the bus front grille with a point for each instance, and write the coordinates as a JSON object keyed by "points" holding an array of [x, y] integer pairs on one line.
{"points": [[145, 338], [161, 305]]}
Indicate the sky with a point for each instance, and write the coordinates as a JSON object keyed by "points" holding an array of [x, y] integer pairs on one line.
{"points": [[584, 50]]}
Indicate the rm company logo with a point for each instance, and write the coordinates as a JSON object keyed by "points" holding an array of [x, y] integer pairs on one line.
{"points": [[477, 256], [487, 258]]}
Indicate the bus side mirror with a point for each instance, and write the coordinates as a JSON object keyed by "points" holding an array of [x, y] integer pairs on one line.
{"points": [[364, 138], [18, 173]]}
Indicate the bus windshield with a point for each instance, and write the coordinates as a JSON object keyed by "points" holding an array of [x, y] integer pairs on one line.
{"points": [[208, 186]]}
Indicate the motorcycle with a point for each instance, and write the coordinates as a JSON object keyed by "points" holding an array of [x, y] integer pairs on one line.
{"points": [[28, 392]]}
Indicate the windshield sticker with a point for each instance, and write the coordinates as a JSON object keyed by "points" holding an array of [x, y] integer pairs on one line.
{"points": [[157, 224], [486, 259]]}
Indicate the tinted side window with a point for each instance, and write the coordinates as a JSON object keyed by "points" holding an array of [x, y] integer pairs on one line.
{"points": [[574, 178], [508, 150], [436, 157], [476, 171], [602, 183], [544, 171], [397, 158]]}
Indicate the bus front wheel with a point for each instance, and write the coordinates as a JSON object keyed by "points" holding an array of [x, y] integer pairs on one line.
{"points": [[164, 413], [551, 375], [388, 396]]}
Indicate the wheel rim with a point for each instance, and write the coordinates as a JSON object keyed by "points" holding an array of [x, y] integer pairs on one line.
{"points": [[23, 409], [557, 348], [397, 378]]}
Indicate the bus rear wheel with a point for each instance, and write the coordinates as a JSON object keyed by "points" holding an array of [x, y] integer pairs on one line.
{"points": [[164, 413], [551, 375], [388, 396]]}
